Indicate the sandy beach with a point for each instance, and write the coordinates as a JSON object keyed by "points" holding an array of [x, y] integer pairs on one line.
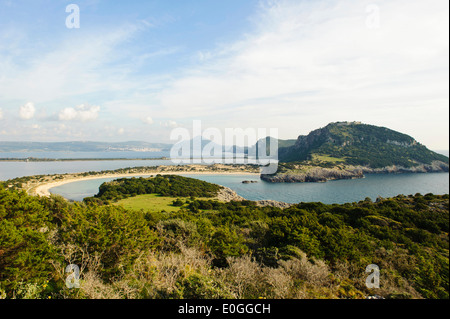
{"points": [[44, 188]]}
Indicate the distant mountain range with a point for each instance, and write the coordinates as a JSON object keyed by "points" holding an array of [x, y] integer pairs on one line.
{"points": [[79, 146], [229, 150], [343, 143], [130, 146]]}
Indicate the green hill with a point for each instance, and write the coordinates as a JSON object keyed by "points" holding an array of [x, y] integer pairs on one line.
{"points": [[353, 143]]}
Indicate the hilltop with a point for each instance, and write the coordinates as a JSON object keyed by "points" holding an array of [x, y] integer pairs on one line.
{"points": [[349, 149], [360, 144]]}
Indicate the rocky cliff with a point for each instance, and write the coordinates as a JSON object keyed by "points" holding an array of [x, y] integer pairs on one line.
{"points": [[320, 174], [227, 195], [314, 174]]}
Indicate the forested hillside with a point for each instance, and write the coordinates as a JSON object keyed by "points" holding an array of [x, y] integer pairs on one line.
{"points": [[210, 249], [354, 143], [166, 185]]}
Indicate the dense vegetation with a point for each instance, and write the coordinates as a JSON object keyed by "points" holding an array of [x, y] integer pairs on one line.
{"points": [[209, 249], [166, 185], [361, 144]]}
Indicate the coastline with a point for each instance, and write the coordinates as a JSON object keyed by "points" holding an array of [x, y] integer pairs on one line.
{"points": [[41, 185], [33, 159], [226, 194], [43, 189], [316, 174]]}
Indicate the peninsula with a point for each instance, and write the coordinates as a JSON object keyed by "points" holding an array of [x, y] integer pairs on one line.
{"points": [[41, 184]]}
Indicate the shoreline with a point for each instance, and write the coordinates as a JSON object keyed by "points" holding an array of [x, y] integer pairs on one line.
{"points": [[43, 189], [39, 160]]}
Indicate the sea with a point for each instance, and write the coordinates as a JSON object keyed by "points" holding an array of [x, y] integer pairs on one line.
{"points": [[331, 192]]}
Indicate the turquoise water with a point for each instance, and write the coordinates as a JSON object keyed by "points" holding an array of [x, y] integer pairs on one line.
{"points": [[331, 192], [78, 190], [341, 191]]}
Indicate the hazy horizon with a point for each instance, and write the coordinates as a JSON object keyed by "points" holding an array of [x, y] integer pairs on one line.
{"points": [[445, 152]]}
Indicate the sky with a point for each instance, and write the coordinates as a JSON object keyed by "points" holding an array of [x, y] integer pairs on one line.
{"points": [[136, 70]]}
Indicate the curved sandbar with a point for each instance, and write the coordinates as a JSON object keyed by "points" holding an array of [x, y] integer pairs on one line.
{"points": [[42, 187]]}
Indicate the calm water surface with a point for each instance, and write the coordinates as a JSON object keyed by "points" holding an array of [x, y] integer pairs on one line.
{"points": [[10, 170], [341, 191], [330, 192]]}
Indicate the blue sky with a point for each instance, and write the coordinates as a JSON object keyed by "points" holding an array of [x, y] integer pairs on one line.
{"points": [[135, 70]]}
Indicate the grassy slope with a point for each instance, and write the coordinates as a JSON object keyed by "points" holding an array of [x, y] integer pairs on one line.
{"points": [[152, 203], [149, 202]]}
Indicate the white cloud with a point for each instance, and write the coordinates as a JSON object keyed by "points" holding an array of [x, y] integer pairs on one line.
{"points": [[26, 112], [1, 114], [308, 63], [81, 113], [87, 62], [148, 120], [120, 131], [300, 66], [67, 114], [169, 123]]}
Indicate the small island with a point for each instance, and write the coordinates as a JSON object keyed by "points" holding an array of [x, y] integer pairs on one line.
{"points": [[249, 182]]}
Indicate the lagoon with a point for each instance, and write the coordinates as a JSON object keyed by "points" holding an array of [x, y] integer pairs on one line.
{"points": [[331, 192], [341, 191]]}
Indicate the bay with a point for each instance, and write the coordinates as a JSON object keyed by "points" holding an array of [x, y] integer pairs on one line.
{"points": [[331, 192], [79, 162], [341, 191]]}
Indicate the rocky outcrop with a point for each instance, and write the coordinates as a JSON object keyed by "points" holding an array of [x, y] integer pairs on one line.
{"points": [[273, 203], [226, 194], [319, 174], [434, 167]]}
